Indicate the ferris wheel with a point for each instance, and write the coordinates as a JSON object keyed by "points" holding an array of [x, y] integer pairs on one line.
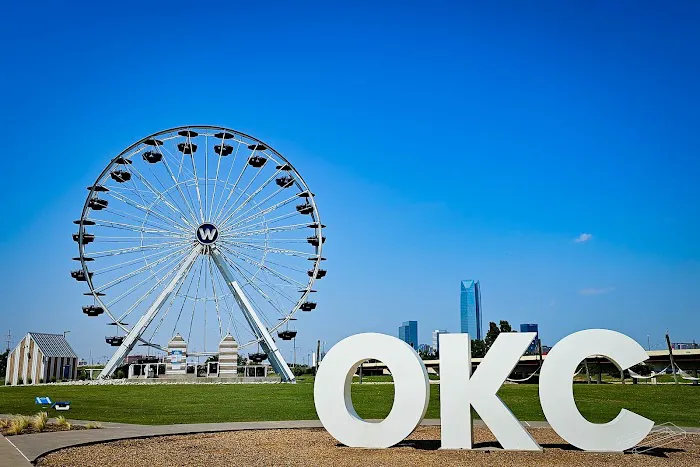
{"points": [[201, 232]]}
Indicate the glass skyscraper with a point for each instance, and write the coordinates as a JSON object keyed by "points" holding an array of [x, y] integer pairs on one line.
{"points": [[534, 345], [470, 309], [408, 332]]}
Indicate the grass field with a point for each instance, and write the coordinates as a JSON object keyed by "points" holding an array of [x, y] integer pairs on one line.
{"points": [[168, 404]]}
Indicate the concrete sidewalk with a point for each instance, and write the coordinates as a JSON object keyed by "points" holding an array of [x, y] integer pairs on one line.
{"points": [[36, 445], [10, 456]]}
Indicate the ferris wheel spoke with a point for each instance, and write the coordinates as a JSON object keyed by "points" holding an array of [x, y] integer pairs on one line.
{"points": [[136, 205], [268, 240], [138, 271], [268, 230], [250, 279], [223, 208], [206, 173], [195, 301], [170, 304], [144, 221], [252, 195], [291, 268], [232, 321], [228, 177], [280, 251], [134, 249], [278, 288], [134, 261], [134, 228], [188, 213], [235, 223], [161, 196], [216, 180], [262, 222], [196, 182], [174, 266], [213, 291], [260, 203], [177, 181], [264, 267], [184, 301], [123, 190]]}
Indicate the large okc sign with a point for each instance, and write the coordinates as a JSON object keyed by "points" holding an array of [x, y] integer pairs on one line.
{"points": [[460, 391]]}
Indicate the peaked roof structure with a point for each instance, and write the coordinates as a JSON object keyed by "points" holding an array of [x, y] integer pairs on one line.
{"points": [[53, 345]]}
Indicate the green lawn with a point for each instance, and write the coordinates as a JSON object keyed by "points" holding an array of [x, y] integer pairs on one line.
{"points": [[167, 404]]}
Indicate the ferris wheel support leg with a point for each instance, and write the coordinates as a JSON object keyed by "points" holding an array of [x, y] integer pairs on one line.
{"points": [[143, 323], [257, 326]]}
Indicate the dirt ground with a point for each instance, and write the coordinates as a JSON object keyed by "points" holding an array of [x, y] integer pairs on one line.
{"points": [[316, 447]]}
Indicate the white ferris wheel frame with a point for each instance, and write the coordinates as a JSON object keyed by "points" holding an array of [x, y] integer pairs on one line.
{"points": [[261, 332]]}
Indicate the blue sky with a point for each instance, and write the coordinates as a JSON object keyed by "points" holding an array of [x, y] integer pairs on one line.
{"points": [[460, 141]]}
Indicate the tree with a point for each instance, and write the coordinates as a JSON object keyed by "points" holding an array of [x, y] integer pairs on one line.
{"points": [[3, 363], [505, 326], [491, 335], [478, 348]]}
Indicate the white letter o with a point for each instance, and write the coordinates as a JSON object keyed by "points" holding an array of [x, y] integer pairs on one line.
{"points": [[334, 402]]}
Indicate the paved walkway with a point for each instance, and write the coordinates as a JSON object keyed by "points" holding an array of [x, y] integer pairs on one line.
{"points": [[35, 445], [10, 456]]}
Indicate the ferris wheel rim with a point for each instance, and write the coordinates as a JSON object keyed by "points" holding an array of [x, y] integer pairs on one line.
{"points": [[133, 150]]}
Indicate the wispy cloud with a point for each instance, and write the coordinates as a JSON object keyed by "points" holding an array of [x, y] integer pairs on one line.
{"points": [[583, 238], [596, 291]]}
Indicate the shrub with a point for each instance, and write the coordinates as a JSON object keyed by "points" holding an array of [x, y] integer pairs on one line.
{"points": [[39, 421], [18, 424], [41, 380], [93, 426], [29, 381], [20, 382], [53, 379], [62, 422], [4, 423]]}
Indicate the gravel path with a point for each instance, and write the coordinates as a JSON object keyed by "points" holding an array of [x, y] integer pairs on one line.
{"points": [[317, 447]]}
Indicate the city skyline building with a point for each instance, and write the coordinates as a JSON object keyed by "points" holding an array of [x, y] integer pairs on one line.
{"points": [[408, 332], [436, 339], [470, 308], [532, 327]]}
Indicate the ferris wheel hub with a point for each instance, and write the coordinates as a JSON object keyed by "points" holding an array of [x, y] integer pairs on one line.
{"points": [[207, 234]]}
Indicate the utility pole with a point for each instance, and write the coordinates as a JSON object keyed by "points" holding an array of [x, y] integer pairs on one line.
{"points": [[318, 355], [648, 343], [9, 339], [670, 355]]}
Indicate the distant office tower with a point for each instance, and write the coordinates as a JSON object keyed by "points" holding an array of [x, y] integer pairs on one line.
{"points": [[531, 327], [470, 309], [425, 348], [436, 339], [408, 332]]}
